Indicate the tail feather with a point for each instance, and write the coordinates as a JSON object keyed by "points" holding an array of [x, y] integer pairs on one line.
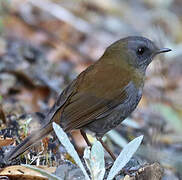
{"points": [[29, 141], [53, 115]]}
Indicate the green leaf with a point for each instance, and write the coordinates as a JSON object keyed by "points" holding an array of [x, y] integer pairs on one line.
{"points": [[117, 138], [63, 138], [43, 172], [1, 98], [95, 161], [131, 123], [170, 116], [124, 157]]}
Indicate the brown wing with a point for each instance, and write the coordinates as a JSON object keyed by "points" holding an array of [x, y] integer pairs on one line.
{"points": [[96, 93], [84, 108]]}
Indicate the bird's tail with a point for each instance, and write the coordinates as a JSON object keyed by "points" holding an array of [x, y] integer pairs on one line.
{"points": [[33, 138]]}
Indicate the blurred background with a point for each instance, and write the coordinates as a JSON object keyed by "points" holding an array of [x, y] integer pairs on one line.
{"points": [[45, 44]]}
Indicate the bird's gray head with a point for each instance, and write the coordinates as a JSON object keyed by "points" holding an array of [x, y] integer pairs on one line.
{"points": [[142, 51], [137, 51]]}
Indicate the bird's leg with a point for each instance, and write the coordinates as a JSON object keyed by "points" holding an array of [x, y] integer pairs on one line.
{"points": [[85, 137], [106, 148], [100, 140]]}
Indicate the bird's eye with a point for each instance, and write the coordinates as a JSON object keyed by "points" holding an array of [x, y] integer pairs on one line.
{"points": [[140, 50]]}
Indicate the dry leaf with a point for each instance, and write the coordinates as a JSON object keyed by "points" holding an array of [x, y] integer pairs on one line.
{"points": [[6, 142], [23, 173]]}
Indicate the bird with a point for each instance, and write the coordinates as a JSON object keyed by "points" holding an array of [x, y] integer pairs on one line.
{"points": [[101, 96]]}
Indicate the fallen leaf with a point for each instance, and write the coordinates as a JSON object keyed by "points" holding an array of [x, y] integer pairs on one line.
{"points": [[21, 173]]}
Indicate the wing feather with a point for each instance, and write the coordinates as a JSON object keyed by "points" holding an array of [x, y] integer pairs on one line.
{"points": [[87, 108]]}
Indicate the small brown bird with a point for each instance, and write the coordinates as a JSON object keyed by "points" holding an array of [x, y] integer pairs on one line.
{"points": [[103, 95]]}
